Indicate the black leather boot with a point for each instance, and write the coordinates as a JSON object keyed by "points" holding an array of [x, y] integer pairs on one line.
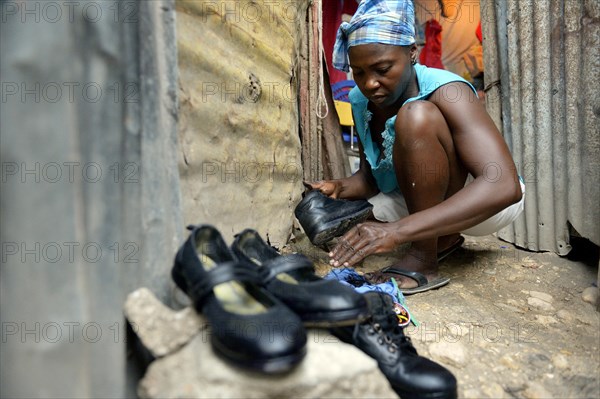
{"points": [[324, 218], [410, 375]]}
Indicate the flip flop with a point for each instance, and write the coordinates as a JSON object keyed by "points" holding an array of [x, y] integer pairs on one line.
{"points": [[451, 249], [423, 283]]}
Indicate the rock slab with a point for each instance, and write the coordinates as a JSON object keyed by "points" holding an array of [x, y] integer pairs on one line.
{"points": [[160, 329], [187, 367]]}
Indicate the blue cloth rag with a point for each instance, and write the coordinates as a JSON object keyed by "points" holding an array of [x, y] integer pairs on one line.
{"points": [[351, 278]]}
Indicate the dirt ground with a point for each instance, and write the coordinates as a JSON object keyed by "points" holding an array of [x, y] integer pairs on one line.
{"points": [[510, 324]]}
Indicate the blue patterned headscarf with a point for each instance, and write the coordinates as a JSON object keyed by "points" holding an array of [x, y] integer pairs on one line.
{"points": [[375, 21]]}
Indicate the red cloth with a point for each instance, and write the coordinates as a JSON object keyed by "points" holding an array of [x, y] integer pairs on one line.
{"points": [[332, 18], [431, 54], [478, 33]]}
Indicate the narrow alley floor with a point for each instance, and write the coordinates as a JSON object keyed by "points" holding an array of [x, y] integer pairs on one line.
{"points": [[510, 324]]}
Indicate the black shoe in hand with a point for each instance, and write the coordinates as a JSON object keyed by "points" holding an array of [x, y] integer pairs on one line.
{"points": [[249, 326], [324, 218], [410, 375]]}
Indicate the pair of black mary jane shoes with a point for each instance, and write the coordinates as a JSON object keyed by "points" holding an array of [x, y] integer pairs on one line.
{"points": [[258, 301]]}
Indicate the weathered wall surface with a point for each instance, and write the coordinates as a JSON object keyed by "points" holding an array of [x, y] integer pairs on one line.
{"points": [[240, 159], [544, 70], [90, 206]]}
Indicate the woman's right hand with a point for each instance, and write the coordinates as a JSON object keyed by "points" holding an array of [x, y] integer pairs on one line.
{"points": [[331, 188]]}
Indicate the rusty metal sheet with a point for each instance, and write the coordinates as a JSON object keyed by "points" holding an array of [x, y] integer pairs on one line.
{"points": [[549, 56]]}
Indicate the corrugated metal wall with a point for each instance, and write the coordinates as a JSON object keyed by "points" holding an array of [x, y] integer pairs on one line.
{"points": [[90, 204], [545, 55]]}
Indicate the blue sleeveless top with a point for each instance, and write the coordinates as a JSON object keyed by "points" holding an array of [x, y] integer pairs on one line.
{"points": [[429, 80]]}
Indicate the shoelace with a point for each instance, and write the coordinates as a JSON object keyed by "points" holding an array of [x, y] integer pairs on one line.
{"points": [[394, 339]]}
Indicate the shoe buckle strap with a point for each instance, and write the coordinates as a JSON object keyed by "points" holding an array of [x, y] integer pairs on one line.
{"points": [[222, 273], [284, 264]]}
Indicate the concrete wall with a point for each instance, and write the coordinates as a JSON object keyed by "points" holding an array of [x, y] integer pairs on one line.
{"points": [[90, 199], [240, 158]]}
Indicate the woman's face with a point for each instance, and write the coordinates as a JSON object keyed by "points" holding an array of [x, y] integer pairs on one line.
{"points": [[382, 72]]}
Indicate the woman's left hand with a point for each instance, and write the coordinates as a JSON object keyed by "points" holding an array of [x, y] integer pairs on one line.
{"points": [[362, 240]]}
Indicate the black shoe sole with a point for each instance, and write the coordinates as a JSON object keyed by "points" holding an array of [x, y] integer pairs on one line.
{"points": [[423, 395], [335, 319], [273, 365], [338, 227]]}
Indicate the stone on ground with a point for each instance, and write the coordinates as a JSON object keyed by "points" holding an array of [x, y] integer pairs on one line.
{"points": [[187, 366]]}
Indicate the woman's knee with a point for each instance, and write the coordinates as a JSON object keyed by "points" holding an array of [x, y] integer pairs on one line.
{"points": [[419, 120]]}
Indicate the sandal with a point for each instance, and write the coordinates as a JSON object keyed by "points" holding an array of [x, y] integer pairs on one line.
{"points": [[451, 249], [422, 283]]}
